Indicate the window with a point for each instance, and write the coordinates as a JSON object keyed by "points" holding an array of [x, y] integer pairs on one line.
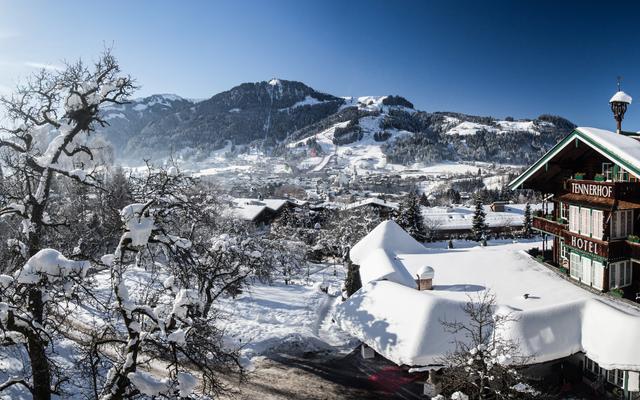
{"points": [[621, 224], [563, 250], [620, 274], [623, 175], [574, 219], [575, 266], [563, 210], [607, 171], [597, 275], [591, 365], [615, 377], [585, 221], [596, 224]]}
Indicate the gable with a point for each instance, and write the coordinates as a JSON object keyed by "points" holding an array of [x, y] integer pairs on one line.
{"points": [[622, 150]]}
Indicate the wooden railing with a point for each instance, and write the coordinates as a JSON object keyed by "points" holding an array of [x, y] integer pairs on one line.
{"points": [[548, 226]]}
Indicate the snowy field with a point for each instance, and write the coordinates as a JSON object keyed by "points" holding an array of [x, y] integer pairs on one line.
{"points": [[290, 319]]}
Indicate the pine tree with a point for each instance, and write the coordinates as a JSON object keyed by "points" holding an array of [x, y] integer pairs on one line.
{"points": [[352, 281], [424, 201], [479, 227], [528, 221], [410, 218]]}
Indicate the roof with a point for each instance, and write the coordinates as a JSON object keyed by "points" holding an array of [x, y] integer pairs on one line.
{"points": [[621, 96], [388, 236], [622, 149], [461, 218], [372, 201], [557, 320], [250, 209]]}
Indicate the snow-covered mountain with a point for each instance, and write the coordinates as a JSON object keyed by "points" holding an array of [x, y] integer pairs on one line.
{"points": [[129, 120], [294, 120]]}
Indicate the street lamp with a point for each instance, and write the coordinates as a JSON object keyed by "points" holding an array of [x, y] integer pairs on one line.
{"points": [[619, 103]]}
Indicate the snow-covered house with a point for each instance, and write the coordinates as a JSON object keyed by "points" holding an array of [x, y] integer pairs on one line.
{"points": [[450, 222], [384, 207], [261, 211], [556, 319]]}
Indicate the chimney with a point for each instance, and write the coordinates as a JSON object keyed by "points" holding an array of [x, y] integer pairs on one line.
{"points": [[425, 278], [619, 103]]}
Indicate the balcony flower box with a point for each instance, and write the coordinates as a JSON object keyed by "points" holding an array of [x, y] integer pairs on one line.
{"points": [[633, 239], [579, 175], [549, 217], [599, 178]]}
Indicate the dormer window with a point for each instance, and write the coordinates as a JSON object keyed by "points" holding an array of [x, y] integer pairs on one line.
{"points": [[612, 172], [607, 171]]}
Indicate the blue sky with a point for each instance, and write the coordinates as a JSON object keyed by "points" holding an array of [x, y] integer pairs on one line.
{"points": [[511, 58]]}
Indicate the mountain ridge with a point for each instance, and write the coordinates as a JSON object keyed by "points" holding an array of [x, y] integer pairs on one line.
{"points": [[271, 114]]}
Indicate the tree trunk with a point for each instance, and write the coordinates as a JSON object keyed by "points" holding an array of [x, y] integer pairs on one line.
{"points": [[38, 351]]}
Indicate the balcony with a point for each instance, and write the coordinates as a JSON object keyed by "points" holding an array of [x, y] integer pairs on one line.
{"points": [[548, 226], [634, 249]]}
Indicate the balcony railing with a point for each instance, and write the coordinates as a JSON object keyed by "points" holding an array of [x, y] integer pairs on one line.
{"points": [[549, 226]]}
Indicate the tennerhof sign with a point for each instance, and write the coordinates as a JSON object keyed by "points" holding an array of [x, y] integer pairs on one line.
{"points": [[592, 189]]}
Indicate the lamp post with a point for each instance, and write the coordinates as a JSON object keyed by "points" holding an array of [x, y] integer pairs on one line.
{"points": [[619, 103]]}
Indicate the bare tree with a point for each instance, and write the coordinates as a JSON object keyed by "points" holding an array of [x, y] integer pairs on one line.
{"points": [[484, 363], [169, 322], [65, 105]]}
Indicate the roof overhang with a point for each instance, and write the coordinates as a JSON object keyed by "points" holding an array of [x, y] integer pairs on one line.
{"points": [[577, 135]]}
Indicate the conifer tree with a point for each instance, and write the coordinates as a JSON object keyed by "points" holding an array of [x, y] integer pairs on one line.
{"points": [[352, 281], [479, 227], [528, 221], [424, 201], [410, 218]]}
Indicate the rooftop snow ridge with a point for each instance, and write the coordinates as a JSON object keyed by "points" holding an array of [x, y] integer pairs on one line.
{"points": [[388, 236]]}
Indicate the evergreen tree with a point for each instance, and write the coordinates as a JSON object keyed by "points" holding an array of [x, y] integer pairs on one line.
{"points": [[528, 221], [410, 218], [479, 227], [424, 201], [352, 281]]}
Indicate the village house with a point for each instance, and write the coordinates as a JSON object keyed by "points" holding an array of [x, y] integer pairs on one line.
{"points": [[261, 212]]}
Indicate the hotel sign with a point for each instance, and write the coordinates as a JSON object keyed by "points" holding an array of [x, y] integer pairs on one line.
{"points": [[592, 189], [585, 244]]}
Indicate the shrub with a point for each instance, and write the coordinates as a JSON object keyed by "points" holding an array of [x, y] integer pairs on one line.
{"points": [[616, 293], [633, 239]]}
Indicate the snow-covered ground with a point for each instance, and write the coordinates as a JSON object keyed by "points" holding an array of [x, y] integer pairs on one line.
{"points": [[291, 319]]}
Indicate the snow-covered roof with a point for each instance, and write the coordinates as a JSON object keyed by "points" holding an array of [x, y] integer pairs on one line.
{"points": [[458, 218], [557, 319], [621, 96], [250, 209], [622, 149], [371, 201], [388, 236]]}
